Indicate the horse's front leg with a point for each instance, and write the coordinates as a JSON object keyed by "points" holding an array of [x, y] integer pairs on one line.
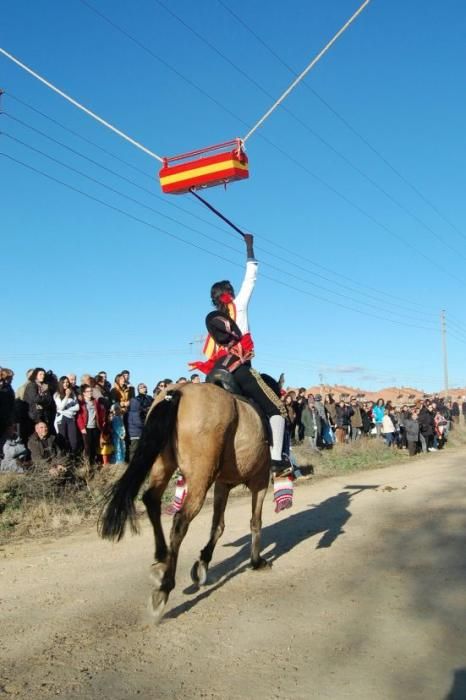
{"points": [[257, 562], [201, 566]]}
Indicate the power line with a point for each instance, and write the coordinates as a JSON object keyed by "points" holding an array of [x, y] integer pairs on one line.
{"points": [[308, 68], [280, 150], [80, 106], [344, 121], [209, 252], [306, 126], [406, 303], [406, 312]]}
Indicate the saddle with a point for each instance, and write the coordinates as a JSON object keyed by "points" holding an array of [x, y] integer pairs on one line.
{"points": [[225, 380]]}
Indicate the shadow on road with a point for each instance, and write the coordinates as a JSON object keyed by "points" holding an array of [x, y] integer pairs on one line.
{"points": [[327, 518], [458, 689]]}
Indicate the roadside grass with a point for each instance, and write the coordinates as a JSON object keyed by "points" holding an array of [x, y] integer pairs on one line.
{"points": [[36, 504], [350, 457]]}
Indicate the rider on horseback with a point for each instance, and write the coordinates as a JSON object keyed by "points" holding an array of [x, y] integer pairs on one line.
{"points": [[229, 346]]}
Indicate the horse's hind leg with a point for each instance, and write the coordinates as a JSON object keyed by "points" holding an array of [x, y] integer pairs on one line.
{"points": [[152, 499], [257, 562], [193, 503], [200, 567]]}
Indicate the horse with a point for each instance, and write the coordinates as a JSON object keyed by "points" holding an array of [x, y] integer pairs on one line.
{"points": [[212, 437]]}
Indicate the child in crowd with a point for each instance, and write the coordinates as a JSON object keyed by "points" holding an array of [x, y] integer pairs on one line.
{"points": [[118, 434]]}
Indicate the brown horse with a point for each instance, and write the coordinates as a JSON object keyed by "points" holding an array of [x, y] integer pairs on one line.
{"points": [[212, 437]]}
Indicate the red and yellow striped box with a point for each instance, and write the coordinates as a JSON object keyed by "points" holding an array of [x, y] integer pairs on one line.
{"points": [[209, 171]]}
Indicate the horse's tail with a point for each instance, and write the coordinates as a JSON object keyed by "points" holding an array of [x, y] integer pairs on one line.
{"points": [[119, 501]]}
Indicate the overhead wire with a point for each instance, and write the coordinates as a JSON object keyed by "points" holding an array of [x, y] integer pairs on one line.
{"points": [[406, 310], [280, 150], [308, 68], [204, 235], [343, 120], [80, 106], [209, 252], [312, 131]]}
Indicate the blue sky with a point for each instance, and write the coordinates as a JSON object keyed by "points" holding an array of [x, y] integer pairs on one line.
{"points": [[355, 264]]}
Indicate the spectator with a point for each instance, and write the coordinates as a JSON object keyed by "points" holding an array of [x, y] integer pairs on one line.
{"points": [[67, 405], [455, 412], [103, 381], [331, 408], [378, 412], [118, 434], [326, 433], [427, 427], [195, 379], [138, 409], [441, 429], [102, 390], [73, 384], [91, 421], [300, 403], [15, 453], [7, 400], [126, 377], [412, 432], [182, 380], [311, 422], [120, 393], [355, 420], [38, 398], [161, 386], [343, 414], [388, 427], [45, 452], [25, 425]]}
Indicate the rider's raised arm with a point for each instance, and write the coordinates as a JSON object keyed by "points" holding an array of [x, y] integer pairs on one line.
{"points": [[247, 286]]}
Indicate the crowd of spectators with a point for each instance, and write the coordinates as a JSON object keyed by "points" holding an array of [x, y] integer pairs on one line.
{"points": [[422, 426], [54, 421]]}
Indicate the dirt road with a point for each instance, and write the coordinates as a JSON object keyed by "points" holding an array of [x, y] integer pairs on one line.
{"points": [[366, 599]]}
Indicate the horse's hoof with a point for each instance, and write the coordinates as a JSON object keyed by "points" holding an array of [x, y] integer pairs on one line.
{"points": [[261, 563], [157, 571], [157, 605], [199, 573]]}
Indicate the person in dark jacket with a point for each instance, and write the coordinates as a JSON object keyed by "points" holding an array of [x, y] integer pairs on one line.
{"points": [[137, 412], [411, 427], [39, 399], [426, 421], [45, 452], [7, 400], [311, 422], [343, 421]]}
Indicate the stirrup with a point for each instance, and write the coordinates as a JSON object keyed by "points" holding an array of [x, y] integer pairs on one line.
{"points": [[281, 467]]}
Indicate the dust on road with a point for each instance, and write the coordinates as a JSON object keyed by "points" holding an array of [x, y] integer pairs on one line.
{"points": [[365, 599]]}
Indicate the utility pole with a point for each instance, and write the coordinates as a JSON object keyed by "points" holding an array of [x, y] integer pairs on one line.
{"points": [[443, 325]]}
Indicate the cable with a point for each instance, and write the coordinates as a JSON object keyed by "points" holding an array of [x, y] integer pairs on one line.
{"points": [[271, 143], [171, 203], [204, 235], [84, 109], [302, 123], [209, 252], [344, 121], [302, 75], [56, 141]]}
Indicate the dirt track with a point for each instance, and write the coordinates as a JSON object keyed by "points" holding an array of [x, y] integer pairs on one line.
{"points": [[366, 599]]}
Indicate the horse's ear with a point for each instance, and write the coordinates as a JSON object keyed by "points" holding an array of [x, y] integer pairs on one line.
{"points": [[281, 380]]}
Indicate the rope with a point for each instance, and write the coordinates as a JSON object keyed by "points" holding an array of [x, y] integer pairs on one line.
{"points": [[306, 70], [216, 211], [80, 106]]}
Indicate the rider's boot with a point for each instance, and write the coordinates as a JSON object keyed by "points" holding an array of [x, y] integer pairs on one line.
{"points": [[280, 466]]}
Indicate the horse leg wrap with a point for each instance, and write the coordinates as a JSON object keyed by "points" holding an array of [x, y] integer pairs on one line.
{"points": [[180, 496], [283, 493]]}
